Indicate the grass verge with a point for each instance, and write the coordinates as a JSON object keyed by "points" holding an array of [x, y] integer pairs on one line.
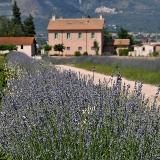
{"points": [[2, 74], [136, 74]]}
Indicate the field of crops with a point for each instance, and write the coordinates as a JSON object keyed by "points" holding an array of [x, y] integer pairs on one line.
{"points": [[150, 63], [49, 114], [146, 70], [130, 73]]}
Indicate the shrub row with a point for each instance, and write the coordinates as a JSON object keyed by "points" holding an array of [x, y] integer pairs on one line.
{"points": [[123, 52], [7, 47], [50, 114], [78, 53]]}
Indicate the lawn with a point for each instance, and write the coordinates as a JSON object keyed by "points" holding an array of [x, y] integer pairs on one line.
{"points": [[131, 73]]}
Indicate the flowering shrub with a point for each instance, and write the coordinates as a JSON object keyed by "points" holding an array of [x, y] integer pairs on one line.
{"points": [[50, 114]]}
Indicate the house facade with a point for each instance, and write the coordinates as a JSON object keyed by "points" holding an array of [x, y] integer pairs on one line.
{"points": [[145, 49], [120, 44], [76, 35], [25, 45]]}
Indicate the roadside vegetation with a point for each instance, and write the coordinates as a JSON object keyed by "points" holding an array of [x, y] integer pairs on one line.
{"points": [[3, 154], [2, 74], [49, 114], [131, 73]]}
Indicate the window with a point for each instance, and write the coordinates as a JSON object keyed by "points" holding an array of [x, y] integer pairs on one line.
{"points": [[143, 49], [92, 35], [21, 46], [68, 35], [68, 48], [79, 35], [79, 48], [56, 35]]}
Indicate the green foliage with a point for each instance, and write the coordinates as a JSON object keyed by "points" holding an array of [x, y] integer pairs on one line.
{"points": [[7, 47], [85, 53], [15, 27], [47, 48], [29, 28], [154, 54], [123, 34], [2, 75], [123, 52], [107, 35], [5, 26], [16, 14], [5, 156], [77, 53], [59, 47], [96, 47], [5, 74]]}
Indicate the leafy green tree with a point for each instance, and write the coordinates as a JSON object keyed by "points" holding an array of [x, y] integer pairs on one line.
{"points": [[60, 48], [123, 34], [5, 26], [96, 47], [47, 48], [107, 36], [29, 28]]}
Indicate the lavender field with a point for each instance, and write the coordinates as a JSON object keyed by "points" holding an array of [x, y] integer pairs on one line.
{"points": [[48, 114]]}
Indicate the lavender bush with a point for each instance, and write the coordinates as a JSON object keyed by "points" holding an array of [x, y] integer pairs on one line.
{"points": [[49, 114]]}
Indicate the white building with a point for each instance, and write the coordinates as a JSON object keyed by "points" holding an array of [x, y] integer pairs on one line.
{"points": [[145, 49], [25, 45]]}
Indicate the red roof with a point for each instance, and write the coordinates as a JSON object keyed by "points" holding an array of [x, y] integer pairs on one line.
{"points": [[17, 40], [121, 42], [76, 24]]}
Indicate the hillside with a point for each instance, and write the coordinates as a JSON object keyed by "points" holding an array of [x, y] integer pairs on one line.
{"points": [[136, 15]]}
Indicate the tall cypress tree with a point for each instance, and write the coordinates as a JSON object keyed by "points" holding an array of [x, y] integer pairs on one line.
{"points": [[29, 28], [17, 28], [16, 14]]}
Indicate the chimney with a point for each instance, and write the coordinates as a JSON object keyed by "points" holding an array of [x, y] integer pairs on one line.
{"points": [[53, 18], [101, 17]]}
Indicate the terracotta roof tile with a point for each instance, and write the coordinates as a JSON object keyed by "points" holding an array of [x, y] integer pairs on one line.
{"points": [[17, 40], [121, 42], [76, 24]]}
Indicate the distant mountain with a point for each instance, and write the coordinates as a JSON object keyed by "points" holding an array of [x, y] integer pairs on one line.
{"points": [[136, 15]]}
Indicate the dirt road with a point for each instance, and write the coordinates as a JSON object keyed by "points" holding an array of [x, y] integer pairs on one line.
{"points": [[148, 90]]}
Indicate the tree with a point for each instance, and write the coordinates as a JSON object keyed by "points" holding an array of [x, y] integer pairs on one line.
{"points": [[96, 47], [107, 36], [29, 28], [16, 14], [47, 48], [17, 27], [123, 34], [16, 30], [5, 26], [59, 47]]}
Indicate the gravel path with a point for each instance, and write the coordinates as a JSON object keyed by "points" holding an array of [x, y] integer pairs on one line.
{"points": [[148, 90]]}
